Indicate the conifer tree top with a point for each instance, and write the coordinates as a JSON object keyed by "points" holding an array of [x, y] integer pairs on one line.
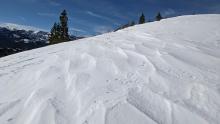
{"points": [[64, 13], [159, 17], [142, 19], [59, 32]]}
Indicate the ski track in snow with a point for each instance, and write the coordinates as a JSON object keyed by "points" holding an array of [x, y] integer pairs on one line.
{"points": [[164, 72]]}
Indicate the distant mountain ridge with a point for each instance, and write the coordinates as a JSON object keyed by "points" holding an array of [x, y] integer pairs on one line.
{"points": [[16, 38], [12, 26]]}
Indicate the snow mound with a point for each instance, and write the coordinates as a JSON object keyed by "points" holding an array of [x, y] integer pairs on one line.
{"points": [[12, 26], [163, 72]]}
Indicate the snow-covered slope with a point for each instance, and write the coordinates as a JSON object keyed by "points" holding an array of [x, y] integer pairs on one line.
{"points": [[165, 72]]}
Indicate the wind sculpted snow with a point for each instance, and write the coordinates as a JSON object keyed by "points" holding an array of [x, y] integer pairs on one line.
{"points": [[165, 72]]}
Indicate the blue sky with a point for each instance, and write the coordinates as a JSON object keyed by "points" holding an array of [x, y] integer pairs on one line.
{"points": [[90, 17]]}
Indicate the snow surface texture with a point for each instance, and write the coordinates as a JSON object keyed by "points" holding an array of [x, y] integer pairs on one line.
{"points": [[165, 72]]}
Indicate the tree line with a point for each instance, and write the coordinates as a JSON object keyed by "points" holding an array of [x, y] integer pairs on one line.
{"points": [[59, 32], [142, 20]]}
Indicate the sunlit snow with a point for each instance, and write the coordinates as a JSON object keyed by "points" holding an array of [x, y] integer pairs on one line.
{"points": [[165, 72]]}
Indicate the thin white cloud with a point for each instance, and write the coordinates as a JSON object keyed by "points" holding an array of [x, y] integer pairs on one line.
{"points": [[87, 35], [215, 9], [96, 15], [54, 3], [102, 17], [22, 18], [77, 30], [30, 1], [47, 14], [102, 29], [169, 12]]}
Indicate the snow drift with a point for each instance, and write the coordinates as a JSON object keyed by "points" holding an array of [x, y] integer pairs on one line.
{"points": [[165, 72]]}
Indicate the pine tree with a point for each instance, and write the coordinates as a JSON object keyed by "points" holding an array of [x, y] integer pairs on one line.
{"points": [[142, 19], [64, 26], [59, 31], [52, 36], [159, 17]]}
